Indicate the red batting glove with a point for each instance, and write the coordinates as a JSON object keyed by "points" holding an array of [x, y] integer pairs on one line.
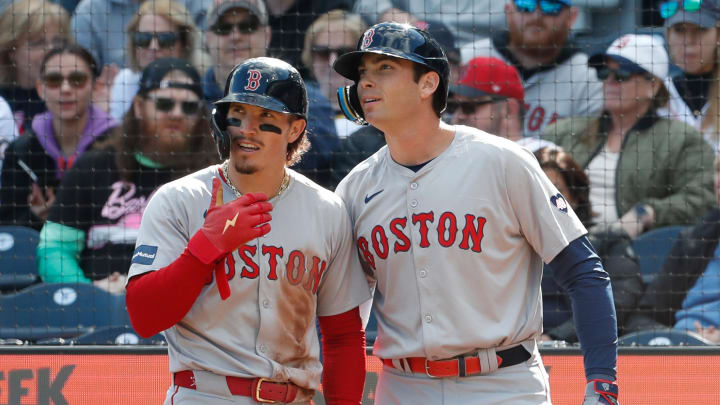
{"points": [[228, 227]]}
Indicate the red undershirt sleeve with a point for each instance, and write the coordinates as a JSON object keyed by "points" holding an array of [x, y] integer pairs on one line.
{"points": [[159, 299], [343, 341]]}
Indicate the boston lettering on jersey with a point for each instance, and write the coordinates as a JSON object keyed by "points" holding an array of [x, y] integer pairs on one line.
{"points": [[448, 234], [299, 270]]}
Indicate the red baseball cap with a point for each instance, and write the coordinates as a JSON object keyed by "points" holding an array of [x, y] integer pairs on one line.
{"points": [[489, 77]]}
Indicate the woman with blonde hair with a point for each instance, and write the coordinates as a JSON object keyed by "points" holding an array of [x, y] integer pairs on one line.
{"points": [[160, 29], [329, 36], [29, 29]]}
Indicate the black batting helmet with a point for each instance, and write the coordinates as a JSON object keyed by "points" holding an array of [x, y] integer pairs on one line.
{"points": [[264, 82], [398, 40]]}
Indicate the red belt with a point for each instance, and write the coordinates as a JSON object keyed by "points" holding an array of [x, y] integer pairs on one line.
{"points": [[461, 366], [259, 389]]}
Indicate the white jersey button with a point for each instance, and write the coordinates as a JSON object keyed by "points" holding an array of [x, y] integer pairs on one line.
{"points": [[262, 348], [413, 186], [423, 273], [266, 303], [428, 318], [413, 203]]}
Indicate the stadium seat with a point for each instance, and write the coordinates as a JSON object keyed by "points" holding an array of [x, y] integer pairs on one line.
{"points": [[46, 311], [17, 255], [663, 337], [108, 335], [653, 247]]}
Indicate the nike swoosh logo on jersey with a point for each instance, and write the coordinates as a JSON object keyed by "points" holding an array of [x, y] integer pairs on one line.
{"points": [[230, 222], [370, 197]]}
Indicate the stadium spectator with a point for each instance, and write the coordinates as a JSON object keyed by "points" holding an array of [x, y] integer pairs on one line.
{"points": [[557, 81], [29, 28], [613, 247], [289, 21], [99, 26], [36, 162], [91, 229], [644, 170], [367, 140], [490, 97], [160, 29], [692, 37], [685, 293], [329, 36], [238, 30]]}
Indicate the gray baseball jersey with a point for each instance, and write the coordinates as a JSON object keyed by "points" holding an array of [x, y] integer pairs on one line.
{"points": [[305, 266], [570, 89], [457, 248]]}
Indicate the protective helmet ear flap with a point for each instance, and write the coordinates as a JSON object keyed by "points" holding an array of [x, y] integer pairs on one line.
{"points": [[350, 104], [219, 127]]}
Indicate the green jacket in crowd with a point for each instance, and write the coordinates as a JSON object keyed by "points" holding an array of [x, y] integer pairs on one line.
{"points": [[663, 163]]}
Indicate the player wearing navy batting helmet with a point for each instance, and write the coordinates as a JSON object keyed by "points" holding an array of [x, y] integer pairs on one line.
{"points": [[236, 277], [452, 226]]}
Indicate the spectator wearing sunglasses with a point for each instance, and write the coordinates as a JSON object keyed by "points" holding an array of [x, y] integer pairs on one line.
{"points": [[331, 35], [557, 81], [239, 30], [100, 26], [489, 97], [91, 229], [36, 162], [645, 171], [160, 29], [692, 35], [29, 29]]}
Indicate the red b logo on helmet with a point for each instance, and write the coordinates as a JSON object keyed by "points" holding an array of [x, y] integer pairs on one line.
{"points": [[253, 82], [367, 39]]}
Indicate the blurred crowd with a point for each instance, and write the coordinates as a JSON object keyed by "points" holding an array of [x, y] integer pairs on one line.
{"points": [[619, 100]]}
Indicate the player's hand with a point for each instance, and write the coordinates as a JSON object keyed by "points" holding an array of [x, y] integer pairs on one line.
{"points": [[227, 227], [601, 392]]}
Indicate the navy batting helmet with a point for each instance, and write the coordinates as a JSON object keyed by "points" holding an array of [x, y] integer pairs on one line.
{"points": [[398, 40], [264, 82]]}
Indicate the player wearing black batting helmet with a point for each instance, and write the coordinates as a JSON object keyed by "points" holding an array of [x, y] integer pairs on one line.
{"points": [[264, 82], [400, 41]]}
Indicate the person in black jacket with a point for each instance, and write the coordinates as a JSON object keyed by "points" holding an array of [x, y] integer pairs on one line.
{"points": [[612, 245], [684, 294]]}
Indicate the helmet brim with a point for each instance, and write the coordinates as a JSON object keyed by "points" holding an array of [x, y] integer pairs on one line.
{"points": [[258, 100], [347, 64]]}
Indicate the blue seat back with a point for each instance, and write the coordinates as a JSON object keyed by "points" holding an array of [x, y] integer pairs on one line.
{"points": [[17, 257], [59, 310], [663, 337], [653, 247]]}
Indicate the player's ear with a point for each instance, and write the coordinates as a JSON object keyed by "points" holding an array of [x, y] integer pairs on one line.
{"points": [[297, 126], [137, 107], [429, 82]]}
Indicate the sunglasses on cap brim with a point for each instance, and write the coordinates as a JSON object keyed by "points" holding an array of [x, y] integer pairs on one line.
{"points": [[670, 8]]}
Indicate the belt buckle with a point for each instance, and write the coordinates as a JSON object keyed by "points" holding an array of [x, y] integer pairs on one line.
{"points": [[256, 397], [427, 370]]}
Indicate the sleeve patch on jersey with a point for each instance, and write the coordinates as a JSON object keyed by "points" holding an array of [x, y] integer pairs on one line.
{"points": [[559, 201], [144, 254]]}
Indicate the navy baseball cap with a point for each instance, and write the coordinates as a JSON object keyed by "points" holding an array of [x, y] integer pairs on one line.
{"points": [[443, 35], [153, 76], [704, 13]]}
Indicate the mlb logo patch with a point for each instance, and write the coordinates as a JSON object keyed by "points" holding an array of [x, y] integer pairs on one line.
{"points": [[559, 201], [144, 254]]}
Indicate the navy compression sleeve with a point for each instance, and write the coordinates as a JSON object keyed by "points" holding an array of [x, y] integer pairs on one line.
{"points": [[578, 269]]}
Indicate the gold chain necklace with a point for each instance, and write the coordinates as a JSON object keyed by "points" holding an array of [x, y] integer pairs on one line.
{"points": [[225, 169]]}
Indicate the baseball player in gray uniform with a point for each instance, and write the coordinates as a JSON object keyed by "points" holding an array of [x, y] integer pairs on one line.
{"points": [[235, 280], [452, 226]]}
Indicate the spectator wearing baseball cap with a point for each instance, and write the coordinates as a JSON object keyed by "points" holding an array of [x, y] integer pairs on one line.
{"points": [[489, 96], [238, 30], [645, 170], [692, 35]]}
